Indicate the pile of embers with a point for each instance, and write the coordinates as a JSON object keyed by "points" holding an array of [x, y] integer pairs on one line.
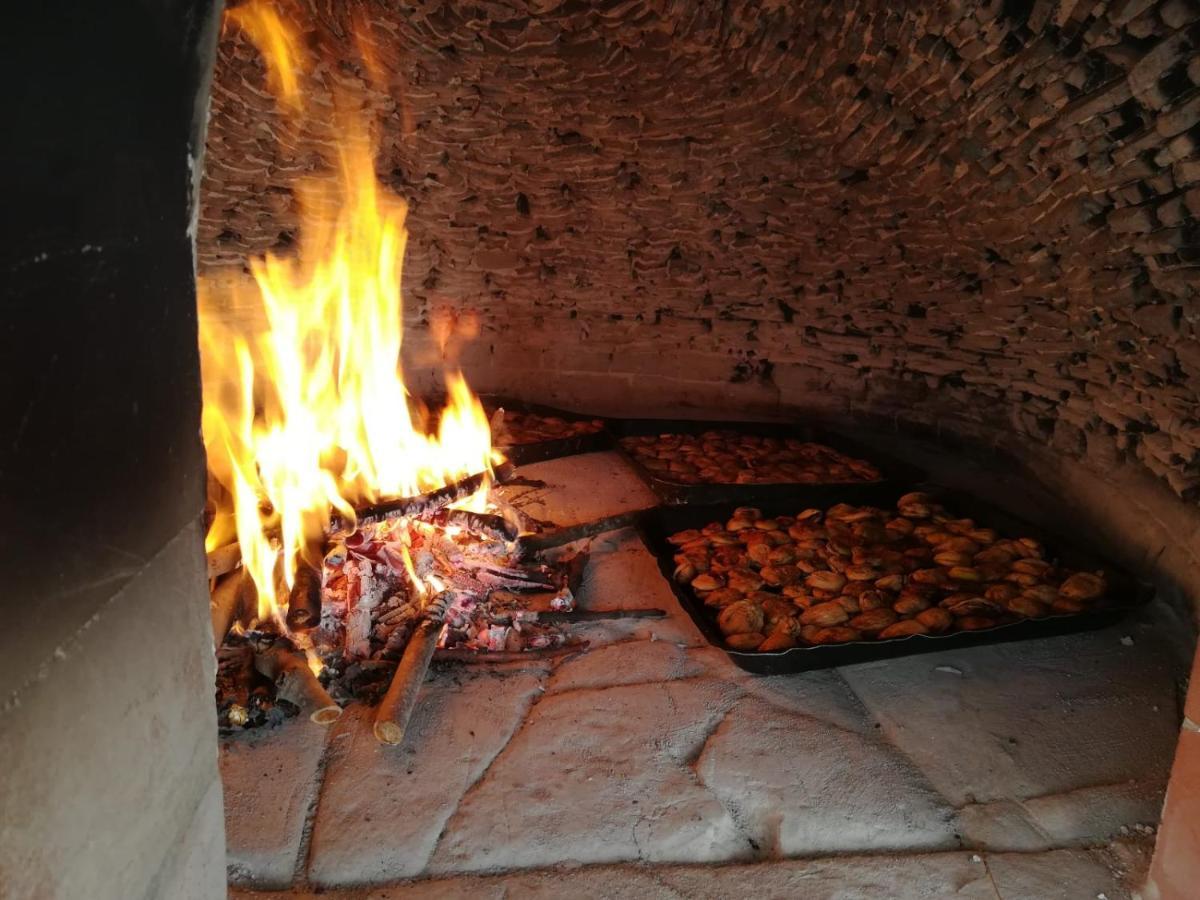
{"points": [[402, 584]]}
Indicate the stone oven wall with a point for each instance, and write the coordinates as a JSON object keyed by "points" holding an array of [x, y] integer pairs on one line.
{"points": [[979, 217]]}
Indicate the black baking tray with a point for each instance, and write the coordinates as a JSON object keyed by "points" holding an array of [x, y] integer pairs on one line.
{"points": [[1125, 592], [894, 472], [524, 454]]}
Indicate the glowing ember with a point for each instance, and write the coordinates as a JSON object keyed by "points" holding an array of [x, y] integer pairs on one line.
{"points": [[305, 410]]}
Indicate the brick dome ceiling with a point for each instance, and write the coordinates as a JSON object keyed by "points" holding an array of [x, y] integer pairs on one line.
{"points": [[975, 215]]}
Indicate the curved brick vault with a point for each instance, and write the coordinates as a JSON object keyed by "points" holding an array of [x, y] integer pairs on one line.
{"points": [[979, 214]]}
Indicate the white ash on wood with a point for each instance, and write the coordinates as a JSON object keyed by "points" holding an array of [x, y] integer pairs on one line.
{"points": [[367, 609]]}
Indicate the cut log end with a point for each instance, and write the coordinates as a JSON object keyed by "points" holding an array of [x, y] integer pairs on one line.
{"points": [[326, 715], [389, 733], [296, 683]]}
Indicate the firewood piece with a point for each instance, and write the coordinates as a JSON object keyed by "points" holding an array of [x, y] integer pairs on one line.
{"points": [[534, 543], [304, 600], [458, 654], [522, 481], [568, 573], [423, 504], [495, 527], [599, 615], [228, 602], [391, 719], [514, 578], [296, 683], [224, 559]]}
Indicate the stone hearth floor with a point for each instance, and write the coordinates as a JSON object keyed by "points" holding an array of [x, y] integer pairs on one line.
{"points": [[650, 766]]}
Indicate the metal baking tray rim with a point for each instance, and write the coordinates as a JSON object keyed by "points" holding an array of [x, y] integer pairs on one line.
{"points": [[681, 492], [811, 657]]}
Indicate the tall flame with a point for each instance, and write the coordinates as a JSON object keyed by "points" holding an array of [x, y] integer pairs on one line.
{"points": [[305, 405]]}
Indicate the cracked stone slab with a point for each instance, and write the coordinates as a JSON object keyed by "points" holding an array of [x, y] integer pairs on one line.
{"points": [[1000, 825], [383, 808], [801, 787], [1027, 719], [1096, 813], [1083, 816], [1055, 875], [821, 694], [271, 777], [627, 662], [599, 776], [580, 489]]}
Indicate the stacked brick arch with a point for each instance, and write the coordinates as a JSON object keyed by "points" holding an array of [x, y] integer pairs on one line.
{"points": [[979, 215]]}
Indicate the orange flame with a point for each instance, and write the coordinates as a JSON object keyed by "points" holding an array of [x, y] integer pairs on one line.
{"points": [[305, 405]]}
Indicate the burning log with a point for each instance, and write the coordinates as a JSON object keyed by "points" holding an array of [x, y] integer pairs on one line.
{"points": [[224, 560], [515, 578], [304, 600], [391, 719], [423, 504], [296, 683], [228, 602]]}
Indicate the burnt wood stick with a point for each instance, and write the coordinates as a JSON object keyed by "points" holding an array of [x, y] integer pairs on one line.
{"points": [[532, 577], [227, 603], [223, 559], [296, 683], [598, 615], [534, 543], [568, 616], [391, 719], [304, 599], [458, 654], [423, 504]]}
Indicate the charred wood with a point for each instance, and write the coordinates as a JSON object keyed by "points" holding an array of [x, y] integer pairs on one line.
{"points": [[487, 525], [534, 543], [296, 683], [458, 654], [599, 615], [423, 504]]}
